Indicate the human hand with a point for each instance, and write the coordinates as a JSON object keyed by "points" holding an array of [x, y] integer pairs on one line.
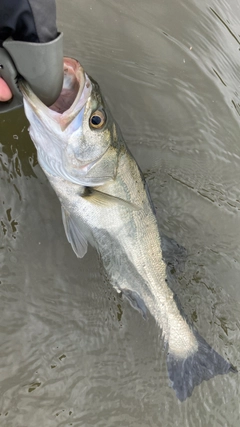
{"points": [[5, 92]]}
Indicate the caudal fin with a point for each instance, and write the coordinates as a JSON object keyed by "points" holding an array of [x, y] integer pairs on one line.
{"points": [[205, 363]]}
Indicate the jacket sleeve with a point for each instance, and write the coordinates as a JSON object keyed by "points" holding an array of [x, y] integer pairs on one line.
{"points": [[30, 47], [28, 20]]}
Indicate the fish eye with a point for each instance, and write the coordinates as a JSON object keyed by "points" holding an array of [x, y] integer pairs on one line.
{"points": [[97, 119]]}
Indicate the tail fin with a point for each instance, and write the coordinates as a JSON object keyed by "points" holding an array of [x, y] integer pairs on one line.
{"points": [[204, 364]]}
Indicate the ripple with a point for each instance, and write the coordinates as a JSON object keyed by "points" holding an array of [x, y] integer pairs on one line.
{"points": [[72, 351]]}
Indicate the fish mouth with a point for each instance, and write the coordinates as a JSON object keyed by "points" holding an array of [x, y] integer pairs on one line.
{"points": [[75, 91], [55, 129]]}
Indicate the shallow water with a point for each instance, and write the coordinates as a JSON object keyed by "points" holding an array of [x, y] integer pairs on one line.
{"points": [[72, 351]]}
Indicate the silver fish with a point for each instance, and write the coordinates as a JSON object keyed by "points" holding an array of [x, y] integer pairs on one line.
{"points": [[105, 202]]}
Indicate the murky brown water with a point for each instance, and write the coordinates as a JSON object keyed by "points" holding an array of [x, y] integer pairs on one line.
{"points": [[72, 352]]}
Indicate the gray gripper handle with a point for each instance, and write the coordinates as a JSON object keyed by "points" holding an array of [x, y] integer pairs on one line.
{"points": [[40, 64]]}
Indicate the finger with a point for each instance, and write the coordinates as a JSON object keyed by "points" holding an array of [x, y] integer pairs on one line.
{"points": [[5, 92]]}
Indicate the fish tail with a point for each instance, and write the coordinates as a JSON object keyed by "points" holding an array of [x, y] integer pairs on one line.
{"points": [[203, 364]]}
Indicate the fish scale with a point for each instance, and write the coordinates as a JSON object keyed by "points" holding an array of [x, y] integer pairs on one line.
{"points": [[105, 202]]}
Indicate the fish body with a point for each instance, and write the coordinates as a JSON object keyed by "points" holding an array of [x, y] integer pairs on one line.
{"points": [[105, 202]]}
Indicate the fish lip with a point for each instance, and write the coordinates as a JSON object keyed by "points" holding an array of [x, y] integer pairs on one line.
{"points": [[62, 116]]}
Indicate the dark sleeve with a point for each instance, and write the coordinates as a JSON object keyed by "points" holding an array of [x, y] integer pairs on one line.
{"points": [[28, 20]]}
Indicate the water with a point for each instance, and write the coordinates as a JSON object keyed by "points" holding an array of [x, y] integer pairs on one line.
{"points": [[72, 352]]}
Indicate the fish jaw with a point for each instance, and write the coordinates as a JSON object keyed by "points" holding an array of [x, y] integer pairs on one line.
{"points": [[71, 101], [52, 128], [66, 145]]}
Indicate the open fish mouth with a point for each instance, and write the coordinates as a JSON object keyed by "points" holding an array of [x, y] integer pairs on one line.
{"points": [[57, 131], [73, 84], [75, 92]]}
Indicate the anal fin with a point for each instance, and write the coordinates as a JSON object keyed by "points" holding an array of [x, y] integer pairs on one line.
{"points": [[136, 301]]}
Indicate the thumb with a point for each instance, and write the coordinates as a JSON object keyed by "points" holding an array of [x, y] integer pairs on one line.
{"points": [[5, 92]]}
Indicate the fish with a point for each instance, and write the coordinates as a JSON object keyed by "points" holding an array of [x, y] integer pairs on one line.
{"points": [[106, 203]]}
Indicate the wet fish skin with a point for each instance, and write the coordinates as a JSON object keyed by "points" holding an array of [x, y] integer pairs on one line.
{"points": [[105, 202]]}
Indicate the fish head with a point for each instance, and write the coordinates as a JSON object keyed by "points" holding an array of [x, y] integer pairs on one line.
{"points": [[75, 137]]}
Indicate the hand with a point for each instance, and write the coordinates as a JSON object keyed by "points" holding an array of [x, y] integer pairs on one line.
{"points": [[5, 92]]}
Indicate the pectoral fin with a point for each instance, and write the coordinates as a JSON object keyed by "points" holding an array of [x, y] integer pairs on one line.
{"points": [[103, 199], [136, 301], [74, 234]]}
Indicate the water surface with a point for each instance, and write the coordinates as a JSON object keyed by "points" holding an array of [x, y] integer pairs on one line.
{"points": [[72, 351]]}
